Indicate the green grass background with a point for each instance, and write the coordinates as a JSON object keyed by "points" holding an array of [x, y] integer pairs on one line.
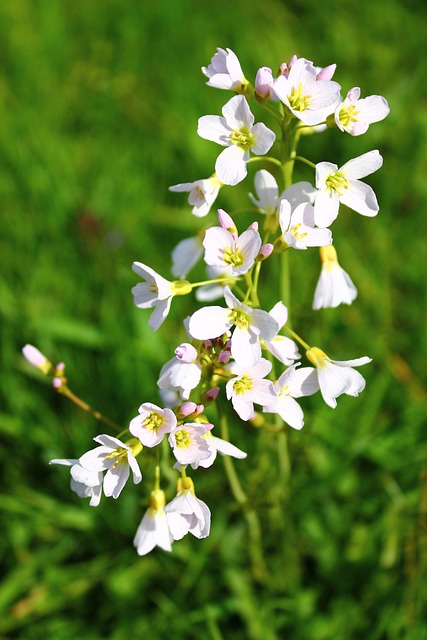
{"points": [[98, 112]]}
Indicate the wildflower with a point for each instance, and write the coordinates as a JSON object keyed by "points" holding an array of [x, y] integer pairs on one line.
{"points": [[152, 424], [185, 255], [354, 115], [231, 253], [343, 185], [36, 358], [182, 372], [188, 444], [298, 230], [337, 377], [250, 324], [309, 99], [249, 387], [203, 194], [236, 131], [282, 347], [114, 457], [225, 72], [334, 286], [186, 513], [156, 292], [87, 484], [154, 529], [293, 383]]}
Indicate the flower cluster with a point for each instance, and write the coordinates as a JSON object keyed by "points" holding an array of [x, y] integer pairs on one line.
{"points": [[234, 350]]}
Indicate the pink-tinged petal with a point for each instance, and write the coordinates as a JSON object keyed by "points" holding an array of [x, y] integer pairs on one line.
{"points": [[226, 222], [237, 114], [115, 479], [186, 352], [230, 165], [326, 208], [214, 128], [245, 348], [284, 215], [267, 326], [209, 322], [324, 94], [264, 139], [373, 109], [363, 165], [327, 72], [159, 314], [136, 472], [216, 241], [243, 407], [249, 243], [361, 198]]}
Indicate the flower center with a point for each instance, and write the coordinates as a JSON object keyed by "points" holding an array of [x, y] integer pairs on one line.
{"points": [[152, 287], [297, 100], [242, 386], [153, 421], [233, 257], [285, 391], [294, 231], [348, 115], [337, 181], [240, 319], [182, 438], [317, 357], [243, 138]]}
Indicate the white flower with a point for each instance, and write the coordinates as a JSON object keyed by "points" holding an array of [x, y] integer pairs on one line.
{"points": [[236, 131], [249, 387], [354, 115], [233, 254], [203, 194], [156, 292], [152, 424], [182, 372], [282, 347], [185, 255], [298, 230], [114, 457], [87, 484], [36, 358], [225, 72], [334, 286], [218, 445], [154, 529], [250, 324], [309, 99], [293, 383], [186, 513], [337, 377], [343, 185], [188, 443]]}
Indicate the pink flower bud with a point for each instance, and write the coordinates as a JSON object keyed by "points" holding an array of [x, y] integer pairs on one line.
{"points": [[224, 357], [228, 344], [226, 221], [36, 358], [327, 72], [186, 409], [212, 394], [265, 251], [208, 426], [264, 82], [207, 344], [253, 226], [60, 367], [200, 409], [186, 352], [285, 68], [57, 383]]}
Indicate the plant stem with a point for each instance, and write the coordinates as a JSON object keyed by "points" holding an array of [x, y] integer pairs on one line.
{"points": [[297, 337], [86, 407]]}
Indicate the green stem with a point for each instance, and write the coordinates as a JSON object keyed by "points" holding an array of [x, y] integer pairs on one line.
{"points": [[214, 281], [65, 391], [297, 337], [266, 159], [308, 162]]}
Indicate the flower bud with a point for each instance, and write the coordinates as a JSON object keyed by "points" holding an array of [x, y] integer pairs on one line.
{"points": [[186, 352], [226, 221], [265, 251], [186, 409], [212, 394], [37, 359], [263, 84], [224, 357], [327, 72]]}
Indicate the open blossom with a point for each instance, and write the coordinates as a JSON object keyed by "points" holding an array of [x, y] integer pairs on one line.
{"points": [[229, 252], [249, 387], [293, 383], [337, 377], [250, 324], [87, 484], [188, 443], [185, 255], [186, 513], [309, 99], [225, 72], [116, 458], [153, 530], [182, 372], [298, 229], [152, 424], [337, 185], [203, 194], [236, 131], [355, 114], [334, 286], [156, 292], [282, 347]]}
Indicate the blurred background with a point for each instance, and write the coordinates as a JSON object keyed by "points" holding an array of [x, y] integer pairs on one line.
{"points": [[99, 105]]}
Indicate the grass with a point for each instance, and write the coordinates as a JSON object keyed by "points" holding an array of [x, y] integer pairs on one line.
{"points": [[99, 105]]}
